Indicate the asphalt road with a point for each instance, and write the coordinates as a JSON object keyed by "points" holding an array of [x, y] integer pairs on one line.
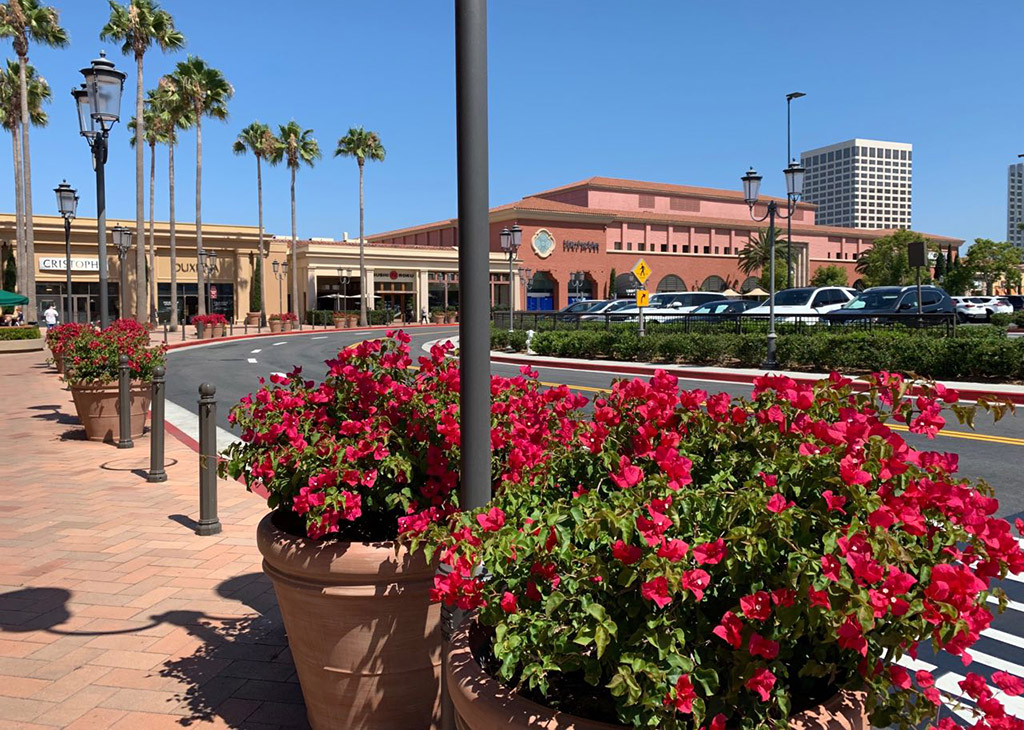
{"points": [[993, 452]]}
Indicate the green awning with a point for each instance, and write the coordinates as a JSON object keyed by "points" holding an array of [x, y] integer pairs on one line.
{"points": [[10, 299]]}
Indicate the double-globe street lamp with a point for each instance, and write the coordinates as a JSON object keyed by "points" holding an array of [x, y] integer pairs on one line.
{"points": [[123, 240], [99, 108], [576, 279], [67, 204], [794, 189], [208, 260], [511, 240], [789, 221], [342, 287], [280, 273]]}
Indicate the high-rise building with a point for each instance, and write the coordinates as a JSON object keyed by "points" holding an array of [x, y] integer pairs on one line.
{"points": [[1015, 205], [860, 183]]}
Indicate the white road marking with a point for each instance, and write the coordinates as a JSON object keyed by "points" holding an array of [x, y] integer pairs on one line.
{"points": [[1016, 578], [950, 684], [257, 350], [915, 665], [1004, 637], [283, 375], [278, 343], [188, 423], [252, 360], [1013, 605], [321, 337], [996, 663]]}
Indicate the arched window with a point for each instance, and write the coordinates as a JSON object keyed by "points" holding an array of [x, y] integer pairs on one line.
{"points": [[859, 285], [541, 292], [713, 283], [671, 283], [750, 283]]}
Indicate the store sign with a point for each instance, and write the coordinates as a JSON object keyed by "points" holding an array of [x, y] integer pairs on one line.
{"points": [[393, 276], [59, 263], [581, 246], [543, 243], [185, 268]]}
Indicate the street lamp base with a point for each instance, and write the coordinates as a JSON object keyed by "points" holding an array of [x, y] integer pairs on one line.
{"points": [[770, 365]]}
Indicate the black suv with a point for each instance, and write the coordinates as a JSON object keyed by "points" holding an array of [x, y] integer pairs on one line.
{"points": [[872, 305]]}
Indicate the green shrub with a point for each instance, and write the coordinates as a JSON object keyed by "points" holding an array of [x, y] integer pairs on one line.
{"points": [[381, 316], [19, 333]]}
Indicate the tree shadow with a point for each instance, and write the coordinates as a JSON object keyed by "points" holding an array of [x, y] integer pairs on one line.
{"points": [[55, 414]]}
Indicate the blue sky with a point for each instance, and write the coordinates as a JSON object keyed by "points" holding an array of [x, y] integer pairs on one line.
{"points": [[682, 92]]}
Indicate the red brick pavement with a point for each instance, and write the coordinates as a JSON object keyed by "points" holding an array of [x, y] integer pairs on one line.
{"points": [[113, 612]]}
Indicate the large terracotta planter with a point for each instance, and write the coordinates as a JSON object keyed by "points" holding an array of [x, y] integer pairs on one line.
{"points": [[58, 363], [252, 319], [275, 325], [339, 321], [352, 321], [437, 318], [482, 703], [218, 330], [286, 326], [364, 636], [98, 409]]}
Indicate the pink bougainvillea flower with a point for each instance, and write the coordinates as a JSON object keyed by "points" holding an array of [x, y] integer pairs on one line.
{"points": [[717, 722], [695, 581], [974, 685], [729, 630], [626, 554], [830, 567], [710, 553], [673, 550], [508, 602], [924, 678], [899, 676], [783, 597], [777, 503], [682, 695], [762, 647], [628, 475], [761, 682], [1008, 683], [835, 502], [491, 520], [656, 591], [770, 480], [851, 636], [819, 598], [757, 606]]}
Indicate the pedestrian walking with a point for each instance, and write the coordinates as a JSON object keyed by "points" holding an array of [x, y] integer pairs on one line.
{"points": [[51, 315], [423, 316]]}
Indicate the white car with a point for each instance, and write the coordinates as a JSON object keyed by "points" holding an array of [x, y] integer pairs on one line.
{"points": [[993, 305], [969, 308], [806, 301], [606, 307], [665, 306]]}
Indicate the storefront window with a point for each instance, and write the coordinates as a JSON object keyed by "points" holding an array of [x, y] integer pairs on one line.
{"points": [[222, 301], [85, 300]]}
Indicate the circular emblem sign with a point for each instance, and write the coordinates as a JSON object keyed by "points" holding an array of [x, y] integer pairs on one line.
{"points": [[393, 275], [543, 243]]}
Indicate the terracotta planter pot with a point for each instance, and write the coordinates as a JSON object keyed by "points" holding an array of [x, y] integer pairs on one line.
{"points": [[339, 321], [218, 330], [364, 636], [275, 325], [252, 319], [451, 317], [287, 326], [98, 411], [352, 321], [482, 703], [437, 318], [58, 363]]}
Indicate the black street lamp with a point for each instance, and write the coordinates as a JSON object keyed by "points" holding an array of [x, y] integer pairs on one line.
{"points": [[208, 261], [280, 273], [123, 240], [511, 240], [576, 279], [99, 108], [789, 221], [67, 204], [794, 189], [342, 286]]}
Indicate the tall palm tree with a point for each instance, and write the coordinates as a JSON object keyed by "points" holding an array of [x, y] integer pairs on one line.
{"points": [[258, 139], [295, 146], [24, 21], [205, 91], [153, 128], [757, 256], [138, 26], [10, 119], [362, 145], [174, 115]]}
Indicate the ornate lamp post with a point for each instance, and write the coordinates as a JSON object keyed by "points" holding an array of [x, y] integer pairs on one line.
{"points": [[99, 108], [794, 189], [576, 279], [67, 204], [511, 240], [789, 221], [343, 281], [280, 273], [208, 260], [123, 240]]}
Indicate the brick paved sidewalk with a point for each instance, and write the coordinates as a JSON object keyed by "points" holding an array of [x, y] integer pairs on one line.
{"points": [[113, 612]]}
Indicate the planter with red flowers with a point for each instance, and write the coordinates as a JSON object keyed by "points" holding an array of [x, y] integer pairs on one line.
{"points": [[288, 321], [685, 561], [91, 361], [214, 325], [59, 338]]}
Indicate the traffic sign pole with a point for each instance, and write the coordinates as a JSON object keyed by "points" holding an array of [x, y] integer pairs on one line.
{"points": [[642, 272]]}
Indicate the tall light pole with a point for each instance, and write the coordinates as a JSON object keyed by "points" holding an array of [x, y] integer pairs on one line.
{"points": [[123, 240], [576, 279], [208, 261], [789, 221], [67, 204], [280, 273], [99, 105], [794, 189], [511, 240], [343, 285]]}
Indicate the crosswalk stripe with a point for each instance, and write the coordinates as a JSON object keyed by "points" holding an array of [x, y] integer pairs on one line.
{"points": [[949, 683], [915, 665], [1004, 637], [1013, 605], [996, 663]]}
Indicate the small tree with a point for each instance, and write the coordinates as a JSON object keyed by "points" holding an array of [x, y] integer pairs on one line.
{"points": [[887, 263], [256, 286], [959, 279], [949, 259], [992, 261], [831, 275], [611, 284], [10, 273], [940, 266]]}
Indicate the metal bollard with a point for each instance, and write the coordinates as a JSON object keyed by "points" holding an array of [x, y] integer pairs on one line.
{"points": [[182, 331], [199, 331], [209, 524], [124, 407], [245, 326], [165, 333], [231, 328], [156, 434]]}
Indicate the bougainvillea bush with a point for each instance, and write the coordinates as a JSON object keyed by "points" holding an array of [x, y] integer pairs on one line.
{"points": [[59, 337], [92, 357], [373, 450], [680, 560], [210, 320]]}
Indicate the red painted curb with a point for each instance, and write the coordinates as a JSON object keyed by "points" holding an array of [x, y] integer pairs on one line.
{"points": [[194, 445]]}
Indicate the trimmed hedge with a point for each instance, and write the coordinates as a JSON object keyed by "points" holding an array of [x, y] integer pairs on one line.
{"points": [[975, 352], [20, 333], [1005, 320]]}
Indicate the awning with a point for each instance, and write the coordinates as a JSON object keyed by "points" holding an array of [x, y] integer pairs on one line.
{"points": [[731, 293], [10, 299], [756, 292]]}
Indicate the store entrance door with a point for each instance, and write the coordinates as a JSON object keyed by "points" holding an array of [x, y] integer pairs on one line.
{"points": [[190, 306], [399, 303]]}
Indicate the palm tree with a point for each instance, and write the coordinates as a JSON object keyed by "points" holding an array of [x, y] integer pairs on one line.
{"points": [[258, 139], [10, 119], [295, 146], [362, 145], [138, 26], [153, 127], [24, 21], [205, 91], [757, 257]]}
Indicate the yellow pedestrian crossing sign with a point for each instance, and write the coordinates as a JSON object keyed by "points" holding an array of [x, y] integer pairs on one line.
{"points": [[643, 297], [641, 271]]}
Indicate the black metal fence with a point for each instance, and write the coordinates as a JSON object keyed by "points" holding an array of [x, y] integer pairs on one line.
{"points": [[735, 323]]}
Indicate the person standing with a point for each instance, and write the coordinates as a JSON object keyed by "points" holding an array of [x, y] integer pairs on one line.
{"points": [[51, 315]]}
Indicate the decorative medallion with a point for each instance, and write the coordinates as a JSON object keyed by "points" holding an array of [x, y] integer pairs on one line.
{"points": [[543, 243]]}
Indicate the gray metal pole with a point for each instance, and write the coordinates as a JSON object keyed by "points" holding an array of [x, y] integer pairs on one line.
{"points": [[209, 524], [920, 309], [156, 440], [511, 309], [100, 159], [124, 407], [67, 275], [789, 221], [771, 363]]}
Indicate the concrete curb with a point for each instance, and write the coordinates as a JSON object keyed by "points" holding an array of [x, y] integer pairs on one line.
{"points": [[33, 345], [330, 330]]}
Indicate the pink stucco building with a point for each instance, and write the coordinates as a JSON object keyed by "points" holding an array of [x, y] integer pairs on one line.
{"points": [[690, 237]]}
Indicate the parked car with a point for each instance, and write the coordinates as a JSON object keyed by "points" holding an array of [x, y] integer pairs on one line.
{"points": [[1016, 301], [807, 301], [606, 307], [993, 305], [880, 301], [667, 305], [572, 312], [968, 310], [723, 309]]}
